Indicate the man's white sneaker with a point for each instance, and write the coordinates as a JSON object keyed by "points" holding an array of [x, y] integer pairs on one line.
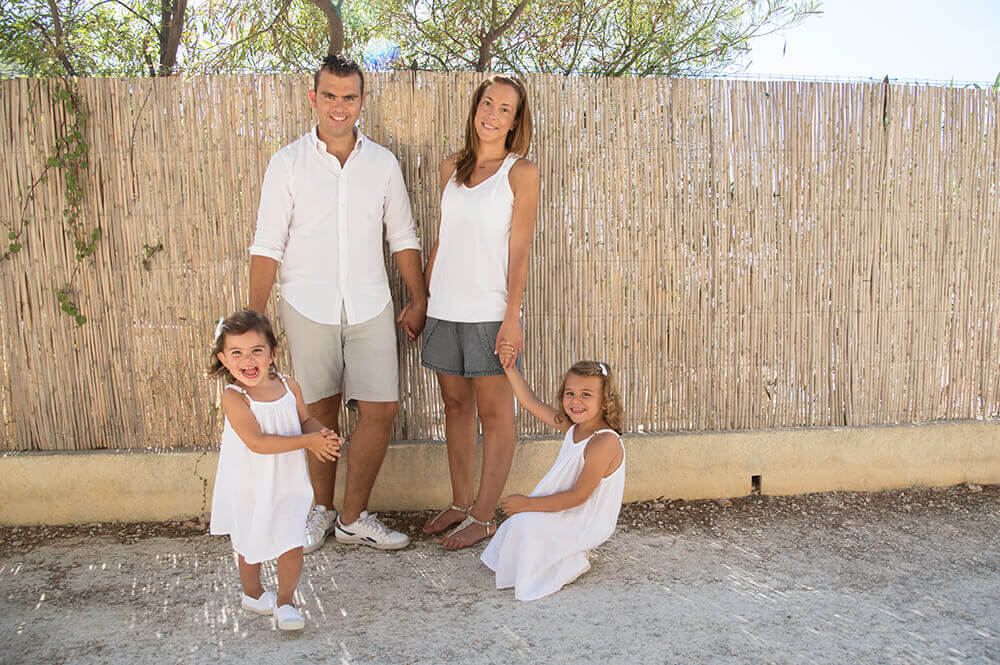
{"points": [[367, 530], [289, 618], [319, 525], [262, 605]]}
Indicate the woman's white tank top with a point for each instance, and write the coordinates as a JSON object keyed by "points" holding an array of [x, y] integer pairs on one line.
{"points": [[469, 278]]}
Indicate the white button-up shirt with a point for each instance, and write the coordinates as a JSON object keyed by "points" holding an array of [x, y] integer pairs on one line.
{"points": [[323, 223]]}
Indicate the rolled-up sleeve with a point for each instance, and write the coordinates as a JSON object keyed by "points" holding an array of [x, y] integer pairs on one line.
{"points": [[275, 211], [400, 232]]}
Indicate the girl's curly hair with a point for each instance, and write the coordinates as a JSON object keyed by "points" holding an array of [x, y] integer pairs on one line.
{"points": [[612, 410], [241, 322]]}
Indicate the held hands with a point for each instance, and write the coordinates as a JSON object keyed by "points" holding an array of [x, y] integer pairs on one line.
{"points": [[510, 342], [507, 355], [325, 444], [515, 503], [412, 318]]}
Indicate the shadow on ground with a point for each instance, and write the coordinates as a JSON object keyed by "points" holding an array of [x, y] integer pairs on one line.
{"points": [[891, 577]]}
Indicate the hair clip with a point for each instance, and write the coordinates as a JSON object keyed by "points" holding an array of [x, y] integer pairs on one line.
{"points": [[218, 328], [604, 368]]}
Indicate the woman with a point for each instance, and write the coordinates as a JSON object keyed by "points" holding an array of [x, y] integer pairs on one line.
{"points": [[477, 272]]}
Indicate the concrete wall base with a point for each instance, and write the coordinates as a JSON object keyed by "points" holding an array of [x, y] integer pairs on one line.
{"points": [[138, 486]]}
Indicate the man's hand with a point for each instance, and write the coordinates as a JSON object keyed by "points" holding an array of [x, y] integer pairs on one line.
{"points": [[412, 318]]}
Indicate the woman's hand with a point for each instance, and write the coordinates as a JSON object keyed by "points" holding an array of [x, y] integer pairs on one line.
{"points": [[510, 340], [515, 503], [507, 355], [412, 318], [325, 444]]}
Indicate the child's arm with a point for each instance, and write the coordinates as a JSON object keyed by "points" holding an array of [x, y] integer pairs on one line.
{"points": [[237, 410], [526, 397], [603, 454], [309, 422]]}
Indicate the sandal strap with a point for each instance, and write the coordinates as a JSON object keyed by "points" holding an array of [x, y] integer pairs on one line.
{"points": [[451, 507], [490, 525]]}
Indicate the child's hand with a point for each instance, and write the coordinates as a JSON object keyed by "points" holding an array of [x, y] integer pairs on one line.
{"points": [[325, 448], [507, 355], [330, 435], [515, 503]]}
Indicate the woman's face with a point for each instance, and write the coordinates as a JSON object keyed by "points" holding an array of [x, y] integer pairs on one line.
{"points": [[496, 113]]}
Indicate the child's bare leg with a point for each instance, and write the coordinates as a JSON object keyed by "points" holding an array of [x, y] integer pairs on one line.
{"points": [[289, 570], [250, 577]]}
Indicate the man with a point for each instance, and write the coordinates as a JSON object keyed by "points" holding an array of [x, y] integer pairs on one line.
{"points": [[324, 203]]}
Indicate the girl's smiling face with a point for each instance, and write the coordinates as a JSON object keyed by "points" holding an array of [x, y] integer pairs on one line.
{"points": [[583, 398], [497, 111], [247, 357]]}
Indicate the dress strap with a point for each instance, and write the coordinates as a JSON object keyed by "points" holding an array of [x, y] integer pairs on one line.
{"points": [[617, 435], [283, 382], [508, 163], [237, 388]]}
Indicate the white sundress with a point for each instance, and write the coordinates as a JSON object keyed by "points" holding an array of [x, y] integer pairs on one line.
{"points": [[262, 501], [537, 553]]}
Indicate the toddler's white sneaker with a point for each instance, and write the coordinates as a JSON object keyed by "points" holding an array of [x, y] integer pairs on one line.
{"points": [[262, 605], [289, 618], [368, 530], [319, 525]]}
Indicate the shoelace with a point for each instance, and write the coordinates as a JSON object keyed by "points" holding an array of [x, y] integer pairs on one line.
{"points": [[375, 525], [315, 522]]}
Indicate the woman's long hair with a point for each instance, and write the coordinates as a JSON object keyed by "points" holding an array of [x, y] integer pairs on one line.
{"points": [[518, 138]]}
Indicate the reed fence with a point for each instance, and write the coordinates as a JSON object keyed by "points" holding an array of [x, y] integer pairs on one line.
{"points": [[745, 254]]}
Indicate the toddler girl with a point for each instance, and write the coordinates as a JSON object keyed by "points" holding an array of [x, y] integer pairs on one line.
{"points": [[262, 493], [544, 544]]}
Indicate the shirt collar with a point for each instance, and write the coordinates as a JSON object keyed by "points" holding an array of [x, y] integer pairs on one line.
{"points": [[358, 142]]}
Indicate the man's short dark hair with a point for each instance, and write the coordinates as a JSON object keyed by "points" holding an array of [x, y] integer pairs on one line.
{"points": [[339, 65]]}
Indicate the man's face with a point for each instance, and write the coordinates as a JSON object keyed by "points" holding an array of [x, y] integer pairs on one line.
{"points": [[337, 100]]}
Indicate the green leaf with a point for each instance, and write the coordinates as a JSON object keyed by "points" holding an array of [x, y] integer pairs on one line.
{"points": [[12, 236], [80, 319]]}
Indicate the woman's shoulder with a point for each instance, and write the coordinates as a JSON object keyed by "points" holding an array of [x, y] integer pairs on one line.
{"points": [[524, 172]]}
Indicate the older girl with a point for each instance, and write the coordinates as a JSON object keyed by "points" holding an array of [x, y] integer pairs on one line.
{"points": [[477, 271], [574, 508]]}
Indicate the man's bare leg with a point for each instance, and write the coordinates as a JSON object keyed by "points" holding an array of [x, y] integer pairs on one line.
{"points": [[369, 442]]}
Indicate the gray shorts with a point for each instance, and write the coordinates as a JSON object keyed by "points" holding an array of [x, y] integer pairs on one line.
{"points": [[461, 349], [359, 360]]}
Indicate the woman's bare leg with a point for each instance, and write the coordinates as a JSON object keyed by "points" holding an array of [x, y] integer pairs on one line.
{"points": [[495, 404], [460, 433]]}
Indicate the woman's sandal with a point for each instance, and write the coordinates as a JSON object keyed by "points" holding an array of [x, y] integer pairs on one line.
{"points": [[464, 511], [489, 525]]}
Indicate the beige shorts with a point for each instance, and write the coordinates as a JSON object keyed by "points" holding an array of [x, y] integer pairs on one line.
{"points": [[357, 360]]}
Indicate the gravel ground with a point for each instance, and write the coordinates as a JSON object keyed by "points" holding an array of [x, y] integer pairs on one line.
{"points": [[907, 576]]}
